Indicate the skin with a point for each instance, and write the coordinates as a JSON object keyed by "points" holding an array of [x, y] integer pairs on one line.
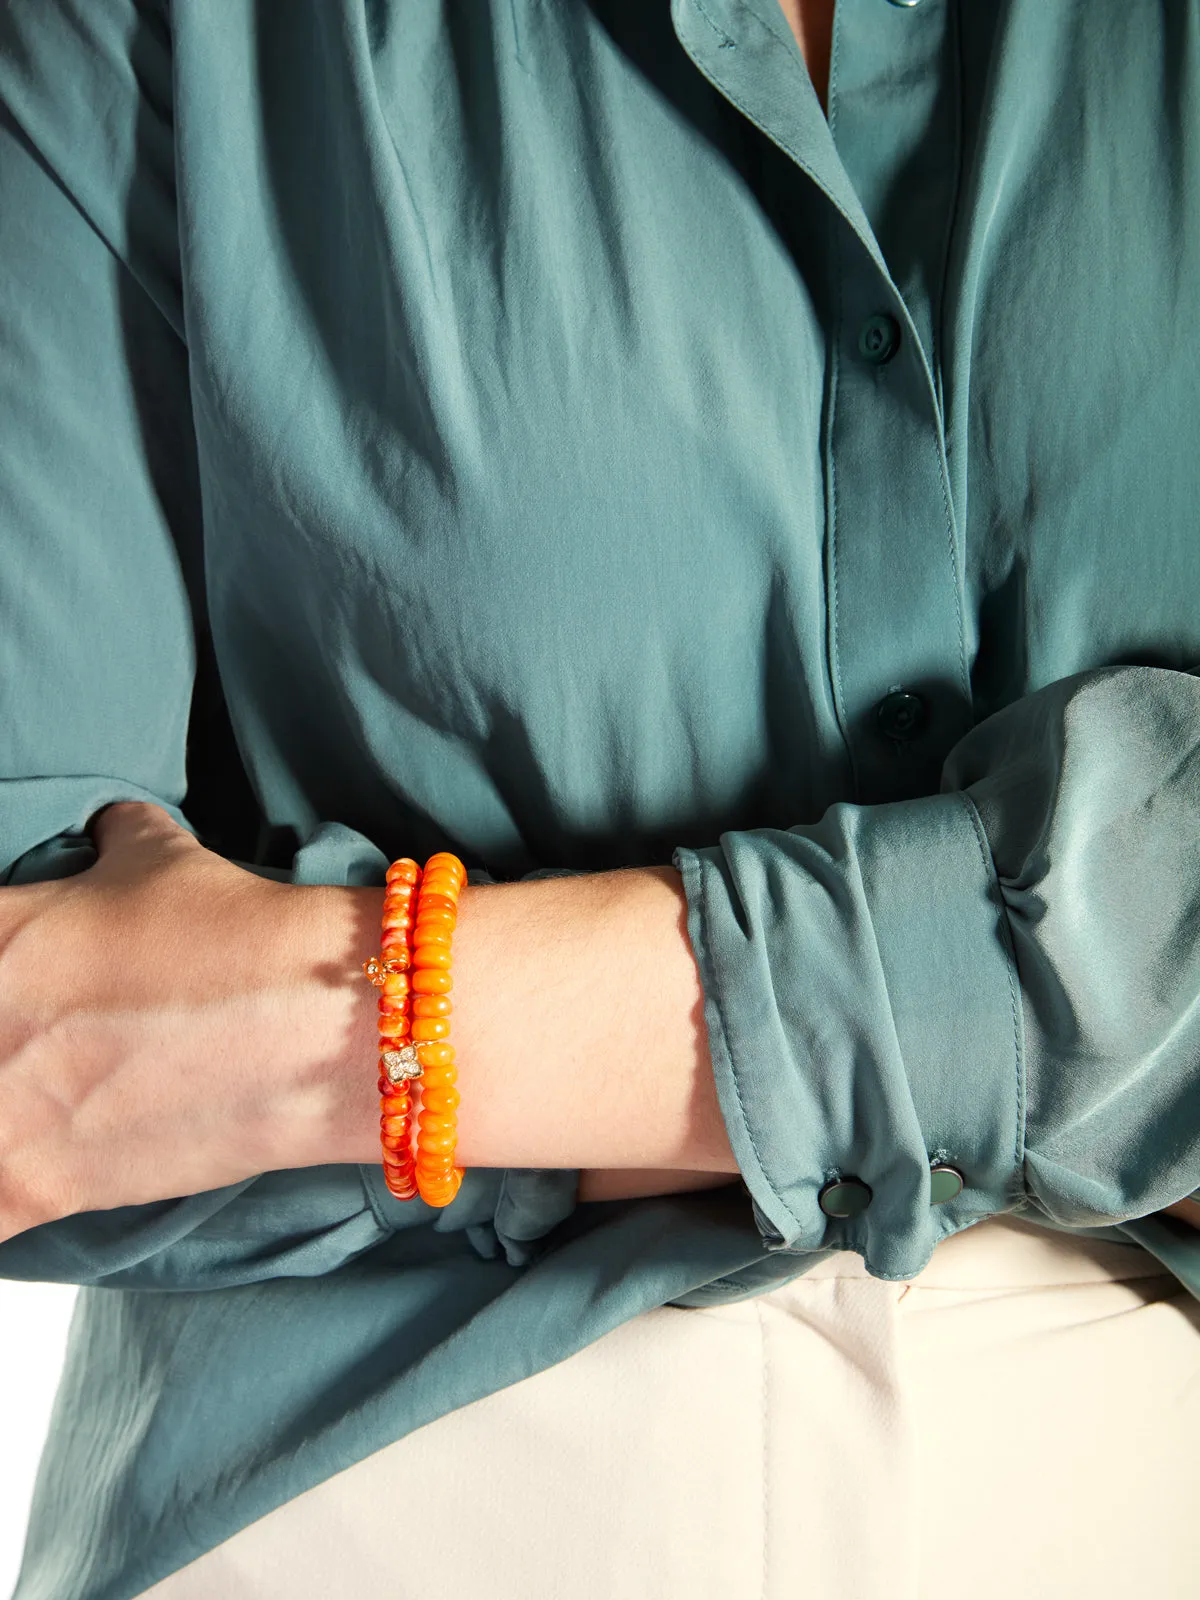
{"points": [[812, 23]]}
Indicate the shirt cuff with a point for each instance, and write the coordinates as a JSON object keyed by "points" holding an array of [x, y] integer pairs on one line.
{"points": [[864, 1021]]}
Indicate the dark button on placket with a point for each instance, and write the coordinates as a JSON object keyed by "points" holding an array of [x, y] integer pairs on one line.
{"points": [[905, 2], [901, 715], [844, 1197], [879, 339]]}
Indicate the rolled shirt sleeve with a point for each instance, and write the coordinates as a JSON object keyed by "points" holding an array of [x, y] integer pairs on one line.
{"points": [[1002, 978], [101, 527]]}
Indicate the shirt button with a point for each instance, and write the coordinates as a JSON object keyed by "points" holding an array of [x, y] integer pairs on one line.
{"points": [[901, 715], [906, 2], [879, 339], [944, 1184], [844, 1197]]}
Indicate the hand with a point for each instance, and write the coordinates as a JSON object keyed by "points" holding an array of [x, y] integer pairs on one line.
{"points": [[160, 1014]]}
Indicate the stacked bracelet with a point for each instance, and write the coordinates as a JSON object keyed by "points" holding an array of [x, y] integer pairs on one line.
{"points": [[420, 910]]}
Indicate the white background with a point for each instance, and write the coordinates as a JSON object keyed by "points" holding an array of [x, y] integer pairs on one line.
{"points": [[33, 1339]]}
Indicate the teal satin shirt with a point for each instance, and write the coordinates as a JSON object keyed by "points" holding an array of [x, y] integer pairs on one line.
{"points": [[533, 430]]}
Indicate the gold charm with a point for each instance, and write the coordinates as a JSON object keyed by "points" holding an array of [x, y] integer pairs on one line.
{"points": [[401, 1064], [377, 969]]}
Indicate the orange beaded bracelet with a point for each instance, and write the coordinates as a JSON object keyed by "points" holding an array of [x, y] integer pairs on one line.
{"points": [[420, 910]]}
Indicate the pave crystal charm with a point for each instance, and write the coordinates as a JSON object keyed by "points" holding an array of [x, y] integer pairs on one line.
{"points": [[401, 1064]]}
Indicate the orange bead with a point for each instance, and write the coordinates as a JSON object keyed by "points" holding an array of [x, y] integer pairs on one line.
{"points": [[431, 1005], [443, 916], [437, 902], [393, 1005], [433, 1122], [397, 1143], [394, 1105], [440, 883], [436, 1167], [427, 932], [443, 888], [438, 1078], [401, 1124], [436, 1055], [402, 872], [437, 1098], [442, 862], [432, 955], [432, 980], [397, 983], [428, 1172], [426, 1029], [437, 1141], [439, 1156]]}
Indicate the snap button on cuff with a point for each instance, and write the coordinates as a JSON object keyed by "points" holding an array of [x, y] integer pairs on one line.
{"points": [[944, 1184], [844, 1197]]}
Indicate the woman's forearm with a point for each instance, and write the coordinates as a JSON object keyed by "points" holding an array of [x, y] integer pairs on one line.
{"points": [[217, 1025], [578, 1031]]}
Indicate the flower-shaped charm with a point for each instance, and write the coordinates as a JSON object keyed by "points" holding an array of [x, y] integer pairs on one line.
{"points": [[401, 1064]]}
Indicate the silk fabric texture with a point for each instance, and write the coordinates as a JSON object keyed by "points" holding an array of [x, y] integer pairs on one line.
{"points": [[467, 428]]}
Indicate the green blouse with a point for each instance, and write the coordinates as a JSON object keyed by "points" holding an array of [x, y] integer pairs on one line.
{"points": [[533, 430]]}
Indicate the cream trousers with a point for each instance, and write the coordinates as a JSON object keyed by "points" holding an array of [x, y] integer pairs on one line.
{"points": [[1020, 1420]]}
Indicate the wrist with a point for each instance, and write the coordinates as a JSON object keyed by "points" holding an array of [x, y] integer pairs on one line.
{"points": [[577, 1026], [325, 1049]]}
